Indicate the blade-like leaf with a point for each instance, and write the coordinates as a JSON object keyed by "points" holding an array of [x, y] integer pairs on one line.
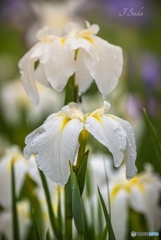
{"points": [[77, 204], [48, 235], [81, 173], [59, 211], [68, 210], [54, 223], [154, 136], [104, 236], [14, 208], [28, 192], [107, 218], [35, 226]]}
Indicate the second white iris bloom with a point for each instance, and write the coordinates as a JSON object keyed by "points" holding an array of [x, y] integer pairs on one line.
{"points": [[55, 143], [81, 52]]}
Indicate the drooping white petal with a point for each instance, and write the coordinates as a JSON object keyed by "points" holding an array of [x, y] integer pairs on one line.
{"points": [[106, 68], [108, 132], [26, 66], [54, 145], [82, 75], [103, 60], [59, 65], [131, 170], [40, 75], [27, 70]]}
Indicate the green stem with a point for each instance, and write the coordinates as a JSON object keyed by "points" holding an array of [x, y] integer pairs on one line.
{"points": [[14, 208], [68, 210], [71, 91], [71, 96], [82, 149], [80, 237], [54, 223]]}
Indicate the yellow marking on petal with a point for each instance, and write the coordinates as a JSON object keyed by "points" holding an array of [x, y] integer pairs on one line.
{"points": [[64, 123], [98, 118], [115, 191], [128, 186], [90, 39], [136, 181], [13, 160], [62, 40]]}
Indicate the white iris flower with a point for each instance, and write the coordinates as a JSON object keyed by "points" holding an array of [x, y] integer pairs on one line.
{"points": [[80, 52], [55, 143], [141, 194], [13, 155]]}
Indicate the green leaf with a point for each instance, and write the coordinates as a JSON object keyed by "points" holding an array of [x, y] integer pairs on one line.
{"points": [[14, 208], [104, 236], [107, 218], [54, 223], [28, 192], [68, 210], [77, 207], [71, 91], [81, 173], [28, 184], [154, 136], [48, 235], [59, 212], [35, 226], [89, 230]]}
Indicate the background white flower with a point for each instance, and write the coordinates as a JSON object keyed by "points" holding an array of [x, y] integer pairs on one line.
{"points": [[20, 168], [24, 217], [55, 143], [80, 52], [55, 14], [141, 194], [13, 104], [23, 170]]}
